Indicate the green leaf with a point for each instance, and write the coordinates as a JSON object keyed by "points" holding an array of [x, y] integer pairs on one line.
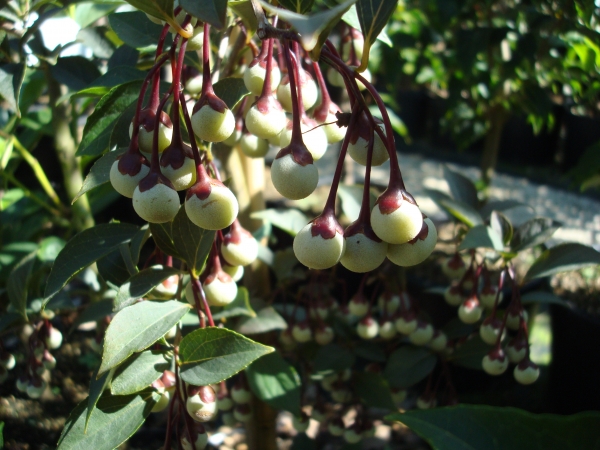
{"points": [[9, 319], [470, 353], [137, 327], [315, 28], [373, 15], [97, 388], [93, 313], [75, 72], [351, 18], [231, 90], [137, 242], [84, 249], [240, 306], [139, 372], [11, 78], [244, 10], [266, 319], [331, 359], [563, 258], [212, 11], [373, 390], [161, 9], [162, 233], [469, 427], [99, 126], [87, 13], [17, 285], [289, 220], [211, 355], [461, 188], [193, 243], [370, 351], [460, 210], [115, 419], [502, 226], [276, 382], [95, 39], [114, 77], [408, 365], [113, 268], [351, 197], [534, 232], [49, 248], [542, 297], [481, 236], [141, 284], [99, 173], [125, 55], [299, 6]]}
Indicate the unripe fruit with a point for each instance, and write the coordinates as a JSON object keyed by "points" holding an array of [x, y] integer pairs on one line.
{"points": [[423, 333], [253, 146], [363, 253], [213, 124], [36, 388], [313, 136], [125, 184], [287, 339], [359, 147], [324, 335], [326, 113], [48, 360], [235, 272], [399, 225], [398, 395], [157, 203], [352, 43], [293, 180], [54, 339], [196, 42], [487, 297], [7, 360], [200, 443], [301, 423], [224, 403], [201, 403], [470, 311], [242, 413], [336, 427], [315, 251], [229, 419], [266, 118], [146, 131], [367, 328], [239, 248], [407, 323], [211, 205], [490, 330], [340, 394], [165, 290], [22, 384], [453, 295], [526, 372], [306, 84], [194, 84], [178, 165], [352, 435], [495, 362], [516, 350], [387, 329], [327, 383], [180, 18], [417, 250], [439, 342], [240, 394], [220, 289], [426, 402], [302, 332], [163, 401], [454, 267], [358, 305], [513, 321], [254, 76]]}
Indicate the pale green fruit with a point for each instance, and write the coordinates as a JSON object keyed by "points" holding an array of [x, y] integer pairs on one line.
{"points": [[189, 295], [332, 131], [235, 272], [240, 394], [165, 290], [125, 184], [194, 86], [335, 429], [234, 138], [398, 227], [36, 389], [301, 332], [387, 330], [145, 138], [399, 395], [358, 306], [196, 42], [310, 92], [425, 403], [439, 342], [229, 420], [158, 204], [352, 436], [490, 331], [453, 296], [315, 139], [367, 328], [335, 78], [513, 321], [202, 409], [324, 336], [406, 325], [240, 253], [422, 334], [180, 17], [211, 125], [266, 125], [215, 212], [253, 146], [183, 177], [224, 403], [358, 41], [292, 180], [221, 291], [54, 340], [410, 254], [200, 444], [470, 311], [163, 402], [359, 150], [515, 352], [315, 252], [254, 78], [367, 76], [242, 413], [487, 297], [496, 366], [362, 253]]}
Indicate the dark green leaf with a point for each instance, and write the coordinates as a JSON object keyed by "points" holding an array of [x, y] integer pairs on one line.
{"points": [[408, 365], [470, 354], [331, 359], [240, 306], [534, 232], [299, 6], [135, 29], [456, 328], [373, 16], [99, 173], [137, 242], [244, 9], [162, 233], [455, 208], [87, 13], [75, 72], [33, 86], [231, 90], [276, 382], [370, 351], [99, 126], [373, 390], [123, 56], [18, 281], [351, 18], [97, 387], [114, 420], [303, 442], [289, 220], [95, 39], [469, 427], [114, 77], [192, 243], [211, 11], [113, 269], [93, 313], [543, 298], [502, 226], [11, 78], [141, 284], [563, 258], [461, 188], [266, 319], [211, 355], [481, 236], [84, 249], [9, 319], [137, 327], [161, 9], [501, 205], [139, 372]]}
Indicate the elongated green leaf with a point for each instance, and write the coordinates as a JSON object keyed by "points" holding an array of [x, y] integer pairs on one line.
{"points": [[99, 126], [330, 359], [266, 319], [315, 28], [210, 355], [17, 285], [211, 11], [11, 78], [139, 372], [289, 220], [502, 226], [135, 29], [114, 77], [95, 39], [84, 249], [141, 284], [408, 365], [162, 233], [276, 382], [137, 327], [470, 427], [88, 13], [563, 258], [351, 18], [299, 6], [542, 297], [114, 420], [75, 72], [373, 15], [244, 10], [113, 268], [482, 236], [97, 387], [534, 232], [231, 90], [461, 188], [373, 390], [99, 173], [93, 313], [193, 243], [137, 242], [240, 306], [460, 210], [470, 353]]}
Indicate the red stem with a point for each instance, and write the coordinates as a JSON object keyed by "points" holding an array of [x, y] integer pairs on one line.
{"points": [[154, 165], [207, 86], [296, 130]]}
